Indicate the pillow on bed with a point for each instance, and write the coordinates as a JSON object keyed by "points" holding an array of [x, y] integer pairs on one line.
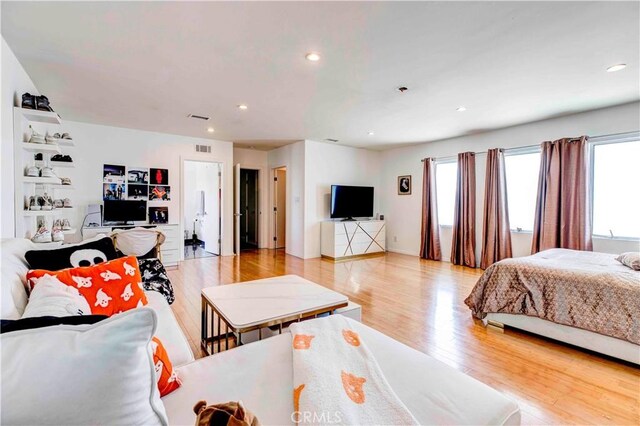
{"points": [[630, 259]]}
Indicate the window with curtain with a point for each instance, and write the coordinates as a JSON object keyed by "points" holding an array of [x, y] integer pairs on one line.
{"points": [[615, 176], [446, 175], [522, 171]]}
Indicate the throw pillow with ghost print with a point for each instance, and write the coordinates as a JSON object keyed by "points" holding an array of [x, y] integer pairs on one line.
{"points": [[110, 287]]}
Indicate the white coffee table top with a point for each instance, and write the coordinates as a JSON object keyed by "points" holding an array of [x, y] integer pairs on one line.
{"points": [[252, 303]]}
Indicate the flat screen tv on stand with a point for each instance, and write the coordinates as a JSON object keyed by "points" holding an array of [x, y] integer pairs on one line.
{"points": [[350, 202], [123, 212]]}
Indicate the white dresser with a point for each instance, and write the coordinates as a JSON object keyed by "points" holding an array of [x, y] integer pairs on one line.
{"points": [[170, 249], [355, 238]]}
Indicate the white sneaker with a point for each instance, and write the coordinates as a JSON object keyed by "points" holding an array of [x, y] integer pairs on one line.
{"points": [[33, 171], [57, 235], [51, 140], [58, 204], [42, 236], [66, 226], [36, 137], [67, 203], [47, 202], [33, 203], [47, 172]]}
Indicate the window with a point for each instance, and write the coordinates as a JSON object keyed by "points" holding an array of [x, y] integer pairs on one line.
{"points": [[446, 176], [522, 188], [616, 204]]}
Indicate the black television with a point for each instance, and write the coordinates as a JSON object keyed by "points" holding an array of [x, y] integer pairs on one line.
{"points": [[125, 210], [348, 202]]}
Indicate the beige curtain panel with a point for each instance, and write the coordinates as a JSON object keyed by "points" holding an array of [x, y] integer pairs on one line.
{"points": [[563, 211], [496, 232], [430, 233], [464, 234]]}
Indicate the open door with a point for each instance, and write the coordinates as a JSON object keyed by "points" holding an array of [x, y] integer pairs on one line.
{"points": [[210, 201], [236, 210], [280, 206]]}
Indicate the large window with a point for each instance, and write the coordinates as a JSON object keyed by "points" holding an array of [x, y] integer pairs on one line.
{"points": [[522, 188], [616, 203], [446, 175]]}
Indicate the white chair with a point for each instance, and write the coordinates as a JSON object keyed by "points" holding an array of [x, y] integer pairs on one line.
{"points": [[138, 241]]}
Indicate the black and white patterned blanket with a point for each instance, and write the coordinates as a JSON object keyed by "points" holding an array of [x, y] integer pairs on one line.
{"points": [[154, 278]]}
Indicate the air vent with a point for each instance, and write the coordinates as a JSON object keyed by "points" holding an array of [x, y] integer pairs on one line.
{"points": [[331, 140], [199, 117], [203, 148]]}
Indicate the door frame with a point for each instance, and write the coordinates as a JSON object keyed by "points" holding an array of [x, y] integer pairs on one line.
{"points": [[221, 164], [262, 198], [272, 205]]}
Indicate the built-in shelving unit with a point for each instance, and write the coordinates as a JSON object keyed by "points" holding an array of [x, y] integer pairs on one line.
{"points": [[43, 122]]}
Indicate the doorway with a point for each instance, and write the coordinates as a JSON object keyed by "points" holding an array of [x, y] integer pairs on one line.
{"points": [[249, 206], [202, 208], [280, 207]]}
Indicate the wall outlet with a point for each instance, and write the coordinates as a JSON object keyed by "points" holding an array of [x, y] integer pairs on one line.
{"points": [[395, 239]]}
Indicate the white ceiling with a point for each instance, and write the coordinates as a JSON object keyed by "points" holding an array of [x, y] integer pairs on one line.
{"points": [[147, 65]]}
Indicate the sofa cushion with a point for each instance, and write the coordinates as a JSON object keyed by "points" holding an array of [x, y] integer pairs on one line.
{"points": [[165, 374], [13, 277], [52, 297], [169, 331], [86, 253], [84, 374], [109, 287]]}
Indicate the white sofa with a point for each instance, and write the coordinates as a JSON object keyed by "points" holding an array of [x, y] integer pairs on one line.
{"points": [[260, 374]]}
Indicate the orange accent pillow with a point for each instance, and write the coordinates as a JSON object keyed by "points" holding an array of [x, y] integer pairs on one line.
{"points": [[109, 287], [167, 378]]}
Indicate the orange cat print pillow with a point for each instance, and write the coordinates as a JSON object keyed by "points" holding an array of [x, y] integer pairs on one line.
{"points": [[109, 287]]}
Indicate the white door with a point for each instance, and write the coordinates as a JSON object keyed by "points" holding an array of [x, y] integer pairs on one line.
{"points": [[236, 209], [210, 220]]}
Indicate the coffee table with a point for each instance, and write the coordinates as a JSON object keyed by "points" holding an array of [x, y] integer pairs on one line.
{"points": [[254, 305]]}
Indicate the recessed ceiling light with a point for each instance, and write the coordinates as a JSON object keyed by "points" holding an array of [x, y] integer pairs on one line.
{"points": [[616, 67], [461, 109], [211, 130], [242, 107], [371, 133], [313, 56]]}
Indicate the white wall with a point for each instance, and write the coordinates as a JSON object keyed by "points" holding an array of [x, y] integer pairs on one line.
{"points": [[258, 160], [293, 158], [327, 164], [15, 82], [403, 212], [97, 145]]}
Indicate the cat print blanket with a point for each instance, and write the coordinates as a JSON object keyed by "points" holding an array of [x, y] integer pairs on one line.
{"points": [[337, 380]]}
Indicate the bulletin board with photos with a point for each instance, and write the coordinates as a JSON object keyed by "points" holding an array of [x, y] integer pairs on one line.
{"points": [[140, 184]]}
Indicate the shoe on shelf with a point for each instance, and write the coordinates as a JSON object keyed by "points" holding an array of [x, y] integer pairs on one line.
{"points": [[62, 158], [42, 236], [66, 226], [38, 156], [47, 203], [40, 201], [67, 137], [47, 172], [33, 171], [28, 101], [51, 140], [65, 181], [42, 104], [57, 224], [67, 203], [33, 203], [57, 235], [36, 137], [58, 204]]}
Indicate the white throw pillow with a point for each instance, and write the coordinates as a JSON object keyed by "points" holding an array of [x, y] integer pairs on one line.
{"points": [[84, 374], [52, 297]]}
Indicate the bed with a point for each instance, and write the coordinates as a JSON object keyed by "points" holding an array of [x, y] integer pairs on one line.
{"points": [[586, 299], [260, 374]]}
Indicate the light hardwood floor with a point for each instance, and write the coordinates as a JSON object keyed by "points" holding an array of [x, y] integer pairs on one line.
{"points": [[420, 303]]}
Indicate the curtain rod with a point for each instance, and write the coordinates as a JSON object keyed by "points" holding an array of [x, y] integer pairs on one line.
{"points": [[593, 139]]}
